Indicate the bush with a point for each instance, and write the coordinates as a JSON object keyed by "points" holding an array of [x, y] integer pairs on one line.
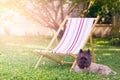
{"points": [[115, 41]]}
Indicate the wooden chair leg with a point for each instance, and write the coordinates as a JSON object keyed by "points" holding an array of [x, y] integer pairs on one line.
{"points": [[73, 66], [38, 63], [92, 47]]}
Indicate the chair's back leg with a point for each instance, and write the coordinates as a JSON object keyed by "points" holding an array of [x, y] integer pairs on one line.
{"points": [[92, 47]]}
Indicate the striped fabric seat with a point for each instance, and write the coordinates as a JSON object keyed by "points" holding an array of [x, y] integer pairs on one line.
{"points": [[75, 35]]}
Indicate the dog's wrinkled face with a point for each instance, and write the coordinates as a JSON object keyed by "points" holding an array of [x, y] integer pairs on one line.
{"points": [[83, 59]]}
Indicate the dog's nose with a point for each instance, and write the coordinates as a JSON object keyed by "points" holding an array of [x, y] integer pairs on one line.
{"points": [[83, 61]]}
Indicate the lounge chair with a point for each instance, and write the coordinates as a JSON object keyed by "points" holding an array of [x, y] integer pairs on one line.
{"points": [[76, 35]]}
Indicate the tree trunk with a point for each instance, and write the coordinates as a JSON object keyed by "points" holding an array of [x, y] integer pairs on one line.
{"points": [[116, 26]]}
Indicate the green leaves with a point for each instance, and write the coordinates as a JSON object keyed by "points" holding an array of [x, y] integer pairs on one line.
{"points": [[106, 9]]}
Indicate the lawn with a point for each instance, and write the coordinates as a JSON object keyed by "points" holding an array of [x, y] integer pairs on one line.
{"points": [[17, 60]]}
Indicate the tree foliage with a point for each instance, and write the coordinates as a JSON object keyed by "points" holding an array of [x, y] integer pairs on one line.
{"points": [[106, 9]]}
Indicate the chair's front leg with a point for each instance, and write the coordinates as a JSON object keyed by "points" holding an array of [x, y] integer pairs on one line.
{"points": [[38, 63], [73, 66]]}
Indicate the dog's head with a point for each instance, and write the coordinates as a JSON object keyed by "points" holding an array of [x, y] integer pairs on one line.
{"points": [[83, 59]]}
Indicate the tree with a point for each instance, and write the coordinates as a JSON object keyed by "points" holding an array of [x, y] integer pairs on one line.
{"points": [[49, 13]]}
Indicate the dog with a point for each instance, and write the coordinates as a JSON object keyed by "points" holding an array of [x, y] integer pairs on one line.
{"points": [[83, 59], [84, 64]]}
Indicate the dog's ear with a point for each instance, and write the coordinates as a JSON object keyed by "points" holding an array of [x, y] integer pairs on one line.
{"points": [[88, 51], [80, 51]]}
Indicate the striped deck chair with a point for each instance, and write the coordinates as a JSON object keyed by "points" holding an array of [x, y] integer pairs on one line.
{"points": [[76, 35]]}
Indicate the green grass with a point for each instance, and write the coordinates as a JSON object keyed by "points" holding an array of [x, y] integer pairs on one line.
{"points": [[17, 61]]}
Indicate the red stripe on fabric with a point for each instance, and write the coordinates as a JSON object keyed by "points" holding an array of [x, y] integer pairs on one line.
{"points": [[76, 37], [63, 38], [86, 26], [84, 31], [81, 37]]}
